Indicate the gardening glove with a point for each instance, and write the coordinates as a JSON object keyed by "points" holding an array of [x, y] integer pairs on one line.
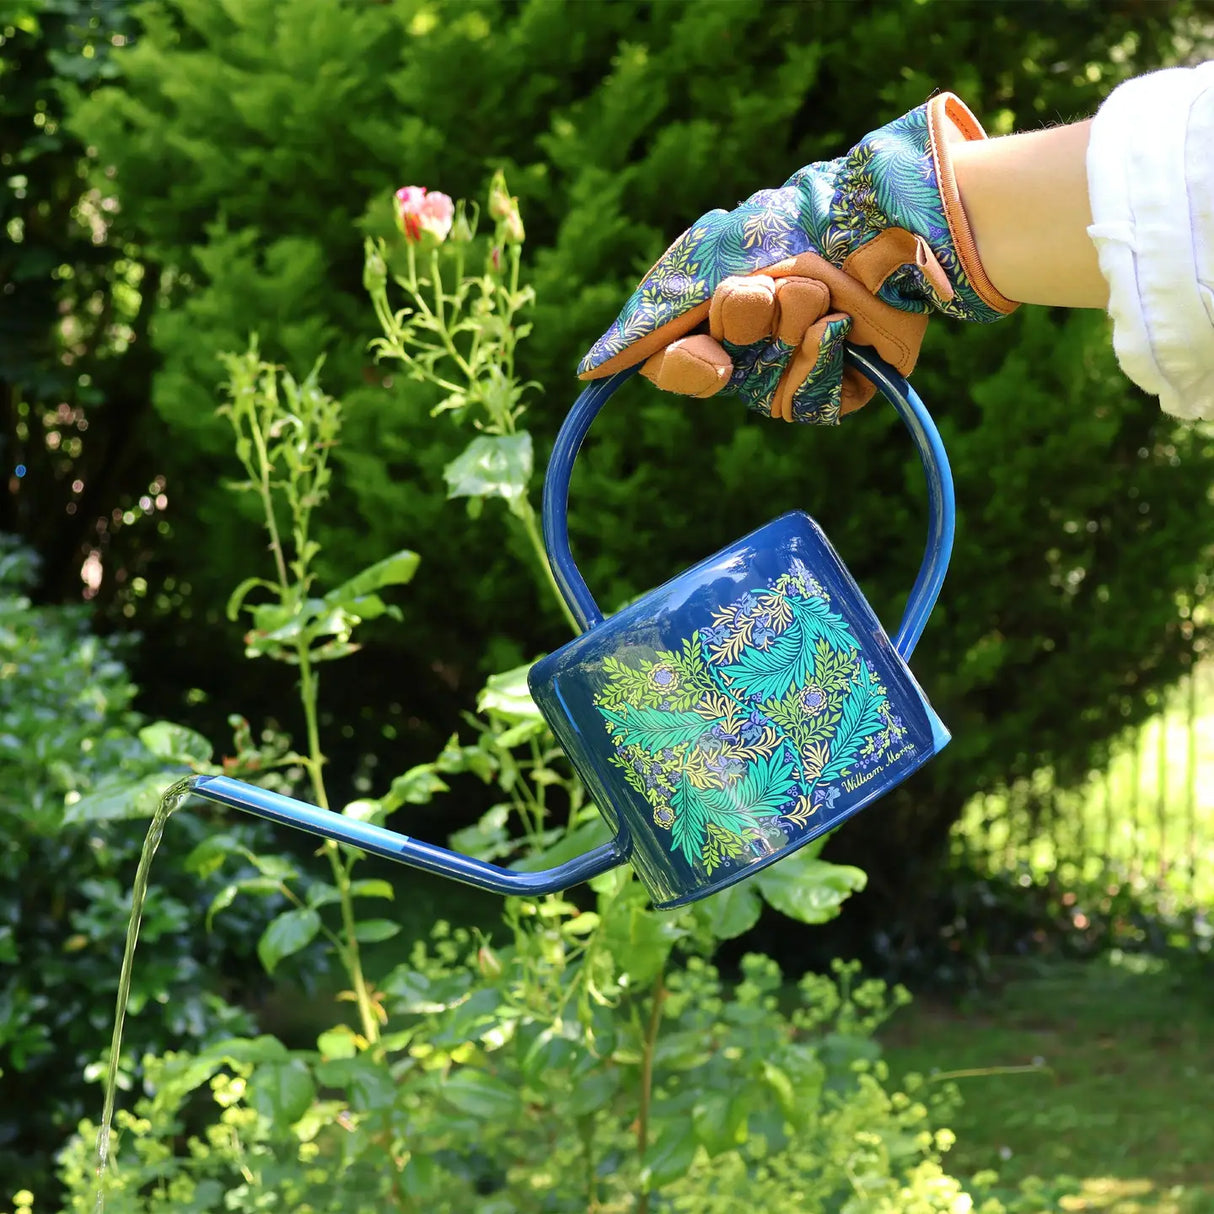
{"points": [[859, 249]]}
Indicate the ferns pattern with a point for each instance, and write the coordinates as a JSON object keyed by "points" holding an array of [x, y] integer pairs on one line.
{"points": [[753, 721]]}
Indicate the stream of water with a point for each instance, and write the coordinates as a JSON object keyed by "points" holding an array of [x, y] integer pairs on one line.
{"points": [[172, 799]]}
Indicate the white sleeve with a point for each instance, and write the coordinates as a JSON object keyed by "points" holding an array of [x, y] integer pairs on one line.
{"points": [[1150, 168]]}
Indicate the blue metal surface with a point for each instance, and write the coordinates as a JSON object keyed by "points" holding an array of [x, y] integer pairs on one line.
{"points": [[677, 617], [380, 841], [941, 504], [555, 509], [578, 688]]}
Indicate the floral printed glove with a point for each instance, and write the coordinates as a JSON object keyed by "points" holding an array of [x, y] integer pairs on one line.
{"points": [[859, 249]]}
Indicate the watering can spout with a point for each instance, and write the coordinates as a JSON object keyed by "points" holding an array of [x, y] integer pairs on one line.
{"points": [[379, 841]]}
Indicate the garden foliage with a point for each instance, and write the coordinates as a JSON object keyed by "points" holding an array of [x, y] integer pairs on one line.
{"points": [[79, 772], [252, 147], [239, 163], [487, 1096]]}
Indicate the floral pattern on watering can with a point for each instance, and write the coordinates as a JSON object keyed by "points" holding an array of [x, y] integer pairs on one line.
{"points": [[764, 715]]}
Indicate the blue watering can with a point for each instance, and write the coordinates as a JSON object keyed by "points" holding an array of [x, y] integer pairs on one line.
{"points": [[723, 720]]}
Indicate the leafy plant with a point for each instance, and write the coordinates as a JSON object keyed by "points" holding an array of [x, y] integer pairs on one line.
{"points": [[284, 433], [462, 340], [79, 771], [618, 124], [485, 1096]]}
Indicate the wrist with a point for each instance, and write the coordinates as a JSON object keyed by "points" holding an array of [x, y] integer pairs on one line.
{"points": [[1026, 200]]}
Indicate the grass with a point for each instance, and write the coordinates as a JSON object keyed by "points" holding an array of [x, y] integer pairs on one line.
{"points": [[1117, 1094]]}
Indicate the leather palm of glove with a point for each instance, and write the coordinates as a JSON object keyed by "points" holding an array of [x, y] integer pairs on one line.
{"points": [[860, 249]]}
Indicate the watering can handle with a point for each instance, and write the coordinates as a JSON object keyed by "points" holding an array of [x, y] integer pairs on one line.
{"points": [[895, 389]]}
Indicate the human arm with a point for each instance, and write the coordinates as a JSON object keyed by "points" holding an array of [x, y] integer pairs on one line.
{"points": [[1026, 198], [1116, 213]]}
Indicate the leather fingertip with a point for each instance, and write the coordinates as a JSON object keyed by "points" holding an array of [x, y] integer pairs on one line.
{"points": [[781, 402], [742, 309], [799, 302], [694, 366]]}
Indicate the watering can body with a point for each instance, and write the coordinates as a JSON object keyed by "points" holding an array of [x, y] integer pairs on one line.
{"points": [[725, 719], [737, 712]]}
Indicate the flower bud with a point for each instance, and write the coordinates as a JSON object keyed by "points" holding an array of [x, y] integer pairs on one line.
{"points": [[423, 217], [512, 228], [487, 962], [375, 269], [500, 202], [463, 229]]}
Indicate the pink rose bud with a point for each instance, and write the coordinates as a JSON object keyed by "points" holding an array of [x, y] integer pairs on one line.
{"points": [[423, 216]]}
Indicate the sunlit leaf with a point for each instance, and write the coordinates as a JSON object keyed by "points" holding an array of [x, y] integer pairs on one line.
{"points": [[291, 931], [491, 466], [808, 889]]}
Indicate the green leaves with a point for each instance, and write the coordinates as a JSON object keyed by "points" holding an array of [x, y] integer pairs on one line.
{"points": [[371, 931], [481, 1095], [492, 465], [417, 786], [731, 912], [394, 570], [290, 932], [282, 1091], [719, 1120], [800, 886], [176, 743], [506, 695], [371, 887], [671, 1156], [808, 889], [323, 626], [636, 937], [119, 798], [283, 430]]}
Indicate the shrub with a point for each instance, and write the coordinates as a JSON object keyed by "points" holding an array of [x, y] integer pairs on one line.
{"points": [[487, 1096], [67, 857]]}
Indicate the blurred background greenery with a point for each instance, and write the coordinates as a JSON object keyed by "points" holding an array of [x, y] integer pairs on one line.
{"points": [[179, 174]]}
